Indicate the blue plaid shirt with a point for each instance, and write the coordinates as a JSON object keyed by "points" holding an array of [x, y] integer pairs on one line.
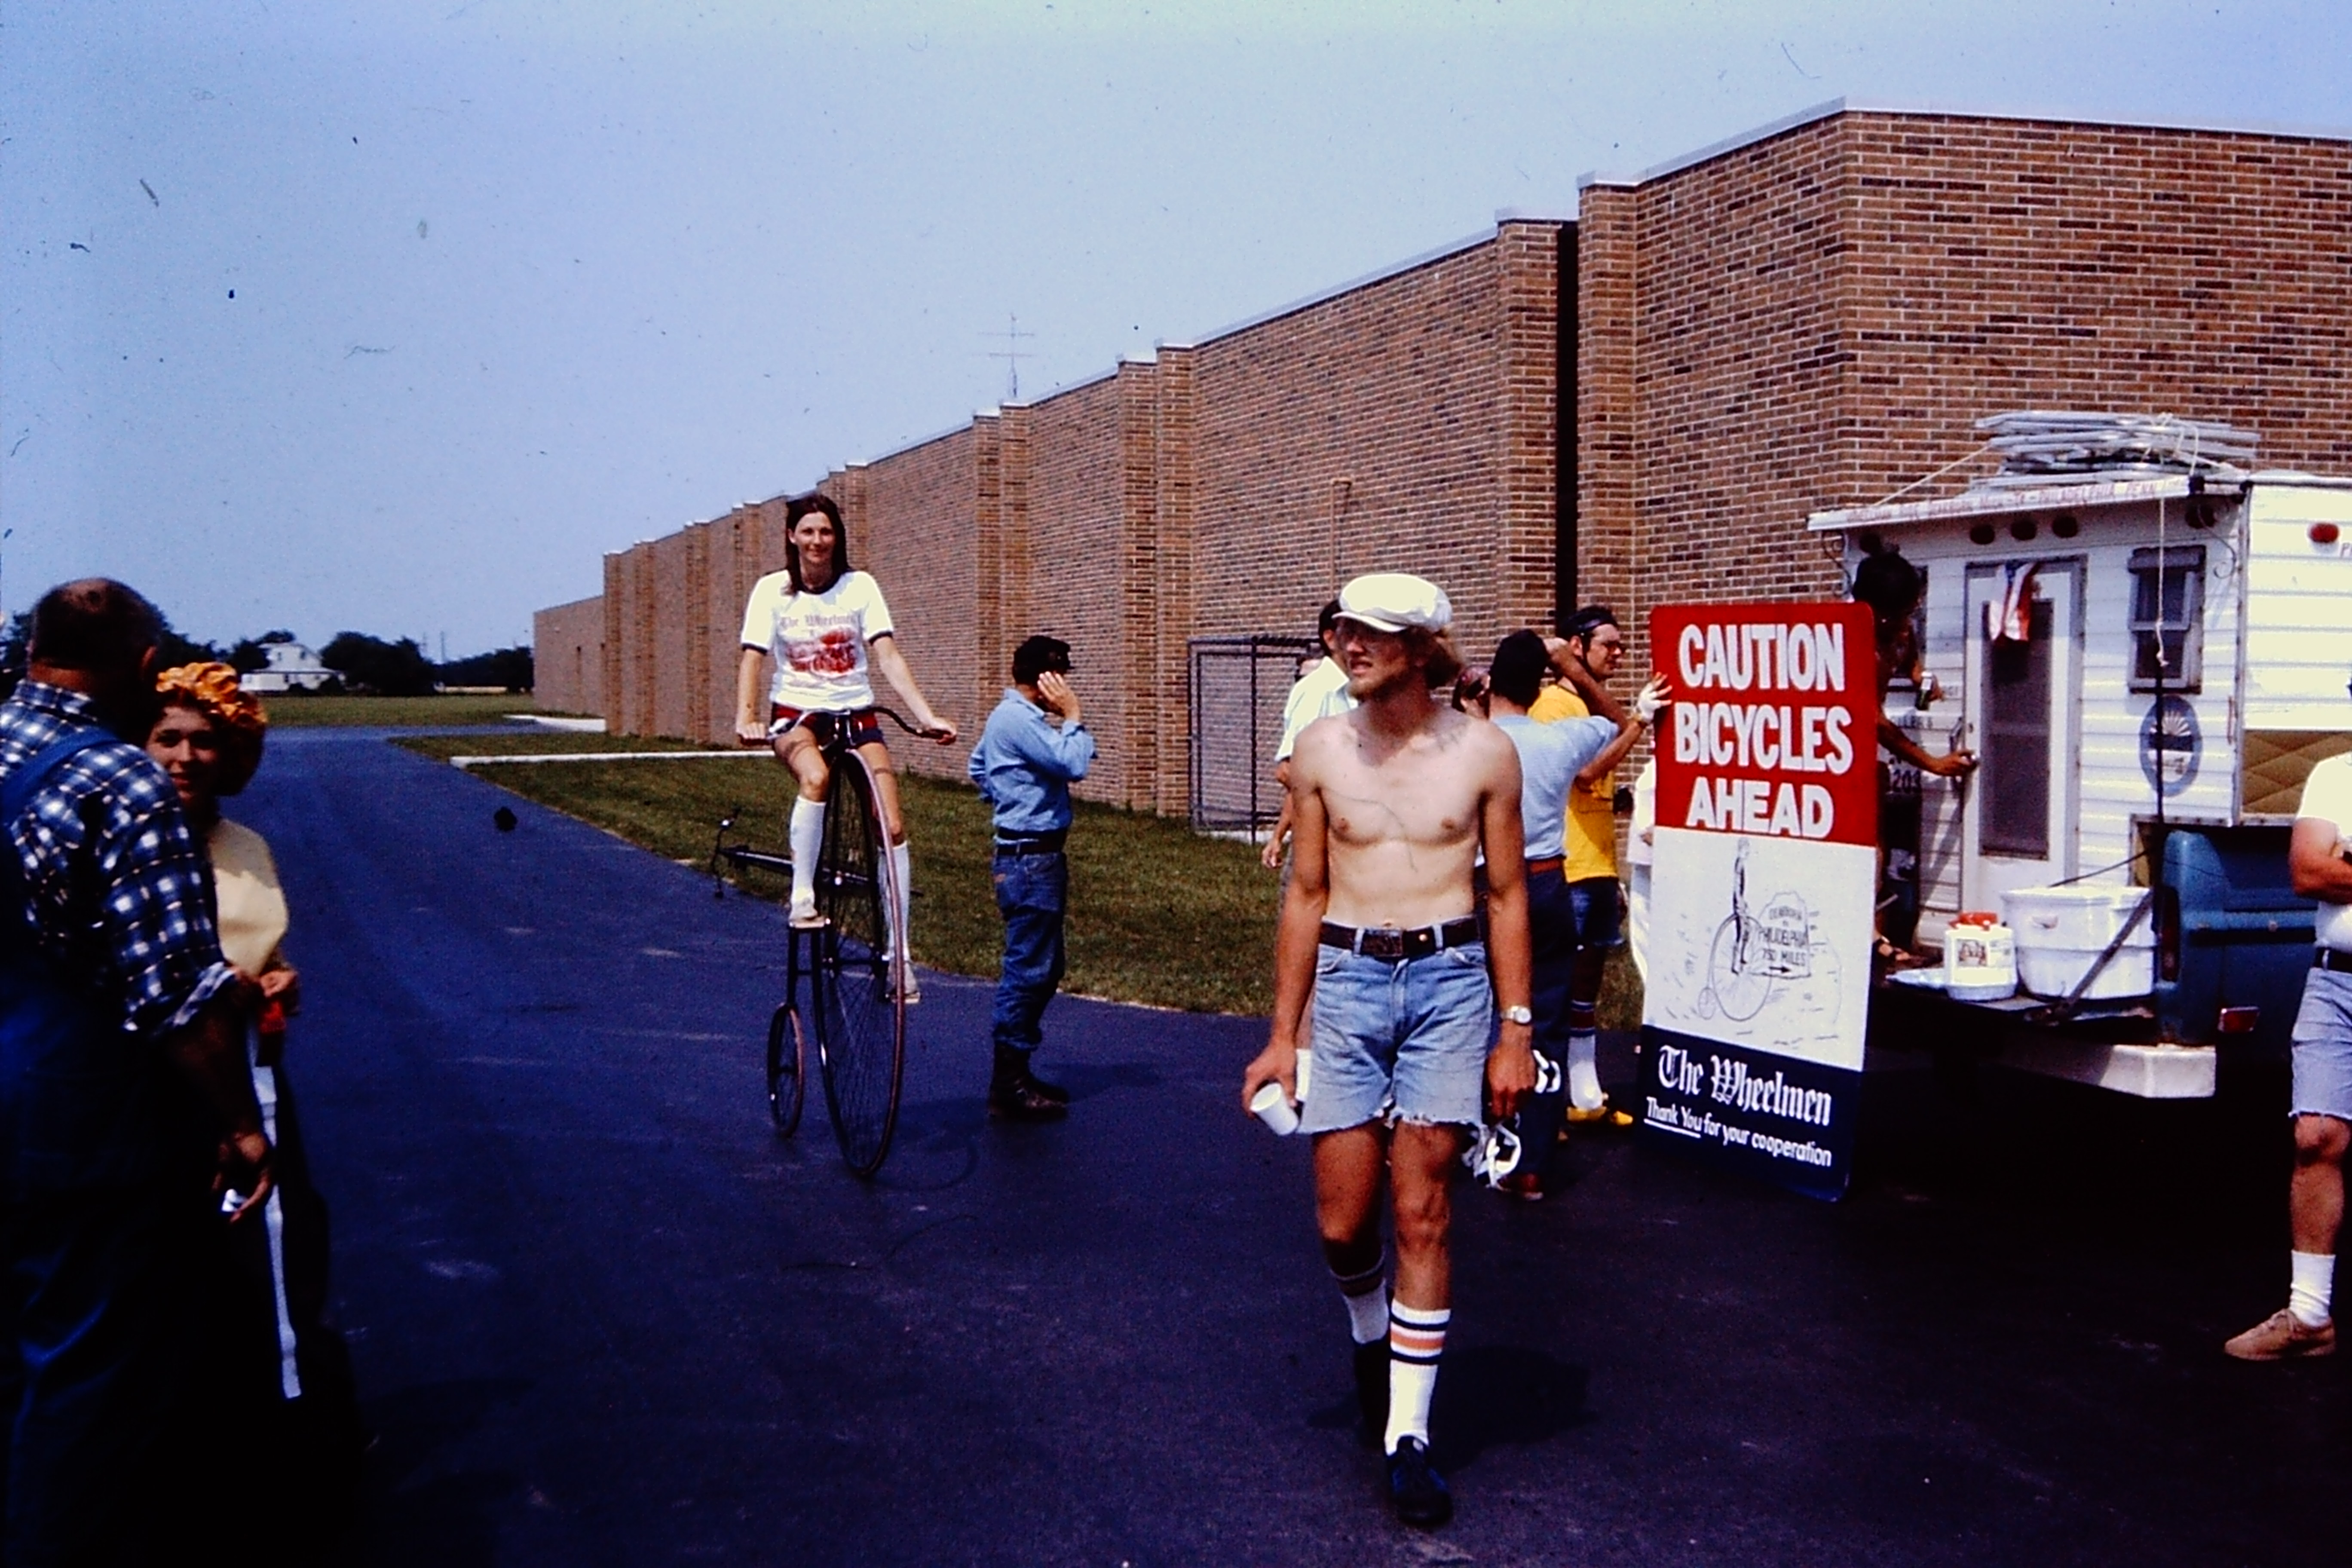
{"points": [[120, 894]]}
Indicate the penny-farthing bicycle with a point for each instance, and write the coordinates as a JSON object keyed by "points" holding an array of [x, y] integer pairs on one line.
{"points": [[844, 978]]}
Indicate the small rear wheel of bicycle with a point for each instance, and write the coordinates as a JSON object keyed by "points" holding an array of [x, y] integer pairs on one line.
{"points": [[859, 1013], [787, 1064]]}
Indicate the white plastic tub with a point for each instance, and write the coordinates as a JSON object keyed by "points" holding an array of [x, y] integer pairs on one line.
{"points": [[2060, 932]]}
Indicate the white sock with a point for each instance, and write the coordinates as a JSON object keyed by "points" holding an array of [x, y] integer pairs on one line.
{"points": [[1583, 1071], [1367, 1295], [903, 909], [807, 835], [1416, 1339], [2314, 1284]]}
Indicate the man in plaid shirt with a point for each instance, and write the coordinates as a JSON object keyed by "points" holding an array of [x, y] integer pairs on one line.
{"points": [[124, 1101]]}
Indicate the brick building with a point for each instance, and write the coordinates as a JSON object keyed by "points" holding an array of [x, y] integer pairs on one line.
{"points": [[1641, 405]]}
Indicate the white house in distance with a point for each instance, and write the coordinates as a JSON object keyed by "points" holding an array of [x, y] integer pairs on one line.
{"points": [[292, 667]]}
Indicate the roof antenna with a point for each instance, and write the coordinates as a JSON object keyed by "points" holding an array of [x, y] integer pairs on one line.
{"points": [[1012, 354]]}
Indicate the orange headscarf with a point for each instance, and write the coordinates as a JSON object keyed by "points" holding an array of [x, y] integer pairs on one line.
{"points": [[212, 689]]}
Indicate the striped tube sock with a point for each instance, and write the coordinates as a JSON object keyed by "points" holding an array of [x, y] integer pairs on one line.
{"points": [[1367, 1297], [1416, 1339]]}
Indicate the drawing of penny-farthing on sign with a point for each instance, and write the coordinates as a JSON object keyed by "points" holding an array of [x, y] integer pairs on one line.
{"points": [[1766, 865]]}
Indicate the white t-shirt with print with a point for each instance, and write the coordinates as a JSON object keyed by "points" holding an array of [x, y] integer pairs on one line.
{"points": [[2328, 796], [817, 640]]}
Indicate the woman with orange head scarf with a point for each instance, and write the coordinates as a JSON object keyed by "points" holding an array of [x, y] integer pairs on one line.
{"points": [[278, 1353]]}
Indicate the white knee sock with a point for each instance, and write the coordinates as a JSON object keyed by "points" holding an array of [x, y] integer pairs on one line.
{"points": [[1367, 1295], [1583, 1070], [2313, 1283], [1416, 1339], [807, 835], [903, 906]]}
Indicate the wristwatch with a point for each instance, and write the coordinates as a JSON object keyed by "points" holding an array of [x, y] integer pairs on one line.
{"points": [[1518, 1015]]}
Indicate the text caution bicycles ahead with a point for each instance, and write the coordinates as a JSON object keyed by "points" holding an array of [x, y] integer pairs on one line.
{"points": [[1766, 868]]}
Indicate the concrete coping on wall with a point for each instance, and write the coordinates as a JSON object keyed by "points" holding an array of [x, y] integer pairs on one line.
{"points": [[1931, 108], [1325, 296]]}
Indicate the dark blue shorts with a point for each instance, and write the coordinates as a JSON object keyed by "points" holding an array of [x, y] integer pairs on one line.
{"points": [[1598, 923]]}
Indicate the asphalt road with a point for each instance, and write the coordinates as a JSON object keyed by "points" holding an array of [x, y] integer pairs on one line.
{"points": [[601, 1314]]}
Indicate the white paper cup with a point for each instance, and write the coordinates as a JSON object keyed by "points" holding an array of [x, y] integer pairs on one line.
{"points": [[1271, 1106]]}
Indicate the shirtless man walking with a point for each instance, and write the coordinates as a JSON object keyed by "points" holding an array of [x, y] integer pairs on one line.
{"points": [[1393, 802]]}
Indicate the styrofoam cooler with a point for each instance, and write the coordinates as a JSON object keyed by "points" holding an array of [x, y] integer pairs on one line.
{"points": [[2060, 932]]}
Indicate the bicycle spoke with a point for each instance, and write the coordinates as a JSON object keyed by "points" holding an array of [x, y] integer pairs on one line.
{"points": [[860, 1020]]}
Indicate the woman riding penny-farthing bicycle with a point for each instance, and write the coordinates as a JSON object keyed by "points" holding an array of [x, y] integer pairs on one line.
{"points": [[819, 621]]}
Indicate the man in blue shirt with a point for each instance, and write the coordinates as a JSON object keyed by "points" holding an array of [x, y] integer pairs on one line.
{"points": [[1551, 757], [1023, 766]]}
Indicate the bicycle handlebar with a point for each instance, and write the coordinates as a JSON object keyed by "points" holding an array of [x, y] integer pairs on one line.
{"points": [[916, 731]]}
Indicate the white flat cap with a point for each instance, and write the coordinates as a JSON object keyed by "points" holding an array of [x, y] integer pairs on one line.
{"points": [[1393, 601]]}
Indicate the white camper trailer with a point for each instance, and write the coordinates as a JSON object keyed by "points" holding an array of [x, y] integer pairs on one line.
{"points": [[2134, 660]]}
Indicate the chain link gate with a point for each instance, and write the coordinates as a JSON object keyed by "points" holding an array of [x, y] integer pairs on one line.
{"points": [[1238, 685]]}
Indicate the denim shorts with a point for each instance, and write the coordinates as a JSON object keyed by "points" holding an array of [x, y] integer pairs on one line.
{"points": [[1400, 1041], [1594, 898], [2323, 1046]]}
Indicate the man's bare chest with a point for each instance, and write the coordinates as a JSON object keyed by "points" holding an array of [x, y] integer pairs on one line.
{"points": [[1416, 798]]}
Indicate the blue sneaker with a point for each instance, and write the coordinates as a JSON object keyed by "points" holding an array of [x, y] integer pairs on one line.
{"points": [[1417, 1488]]}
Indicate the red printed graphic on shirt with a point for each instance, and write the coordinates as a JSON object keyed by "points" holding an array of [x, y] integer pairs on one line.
{"points": [[832, 651]]}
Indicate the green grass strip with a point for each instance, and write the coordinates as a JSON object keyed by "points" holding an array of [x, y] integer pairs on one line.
{"points": [[1159, 914]]}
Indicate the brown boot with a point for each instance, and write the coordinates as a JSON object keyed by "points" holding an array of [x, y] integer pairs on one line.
{"points": [[1015, 1096]]}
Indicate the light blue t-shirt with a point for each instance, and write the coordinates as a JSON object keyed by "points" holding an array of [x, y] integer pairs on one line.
{"points": [[1551, 756]]}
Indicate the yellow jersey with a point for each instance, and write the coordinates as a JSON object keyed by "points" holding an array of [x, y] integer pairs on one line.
{"points": [[1591, 826]]}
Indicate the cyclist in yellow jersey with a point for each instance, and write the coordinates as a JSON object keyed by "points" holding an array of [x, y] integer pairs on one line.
{"points": [[1593, 640]]}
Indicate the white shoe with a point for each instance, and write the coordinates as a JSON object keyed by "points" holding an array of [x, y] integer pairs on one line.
{"points": [[913, 986], [803, 911]]}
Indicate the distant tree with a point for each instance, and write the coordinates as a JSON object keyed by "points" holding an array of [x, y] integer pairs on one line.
{"points": [[507, 667], [174, 650], [370, 664]]}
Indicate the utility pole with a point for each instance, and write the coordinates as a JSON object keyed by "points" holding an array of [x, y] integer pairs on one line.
{"points": [[1012, 354]]}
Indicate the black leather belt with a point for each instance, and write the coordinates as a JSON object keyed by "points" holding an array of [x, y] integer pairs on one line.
{"points": [[2328, 958], [1041, 844], [1393, 946]]}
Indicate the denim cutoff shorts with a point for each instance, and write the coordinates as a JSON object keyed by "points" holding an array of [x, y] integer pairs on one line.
{"points": [[2323, 1046], [1403, 1041]]}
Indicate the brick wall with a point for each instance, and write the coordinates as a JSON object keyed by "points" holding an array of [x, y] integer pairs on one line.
{"points": [[567, 645], [917, 537], [1808, 320], [1816, 320]]}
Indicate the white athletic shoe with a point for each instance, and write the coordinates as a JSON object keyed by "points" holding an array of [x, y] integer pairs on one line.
{"points": [[804, 910]]}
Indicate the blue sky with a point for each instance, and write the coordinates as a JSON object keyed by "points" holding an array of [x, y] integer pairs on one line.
{"points": [[394, 317]]}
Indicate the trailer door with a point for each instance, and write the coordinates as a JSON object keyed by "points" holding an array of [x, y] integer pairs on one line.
{"points": [[2018, 819]]}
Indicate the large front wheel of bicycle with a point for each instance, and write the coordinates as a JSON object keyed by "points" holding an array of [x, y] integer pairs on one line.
{"points": [[787, 1064], [859, 1009]]}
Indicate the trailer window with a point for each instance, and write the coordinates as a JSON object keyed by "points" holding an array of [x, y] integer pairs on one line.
{"points": [[2168, 618], [2016, 760]]}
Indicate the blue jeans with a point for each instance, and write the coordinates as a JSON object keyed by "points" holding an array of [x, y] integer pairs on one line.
{"points": [[1032, 891], [1552, 924]]}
